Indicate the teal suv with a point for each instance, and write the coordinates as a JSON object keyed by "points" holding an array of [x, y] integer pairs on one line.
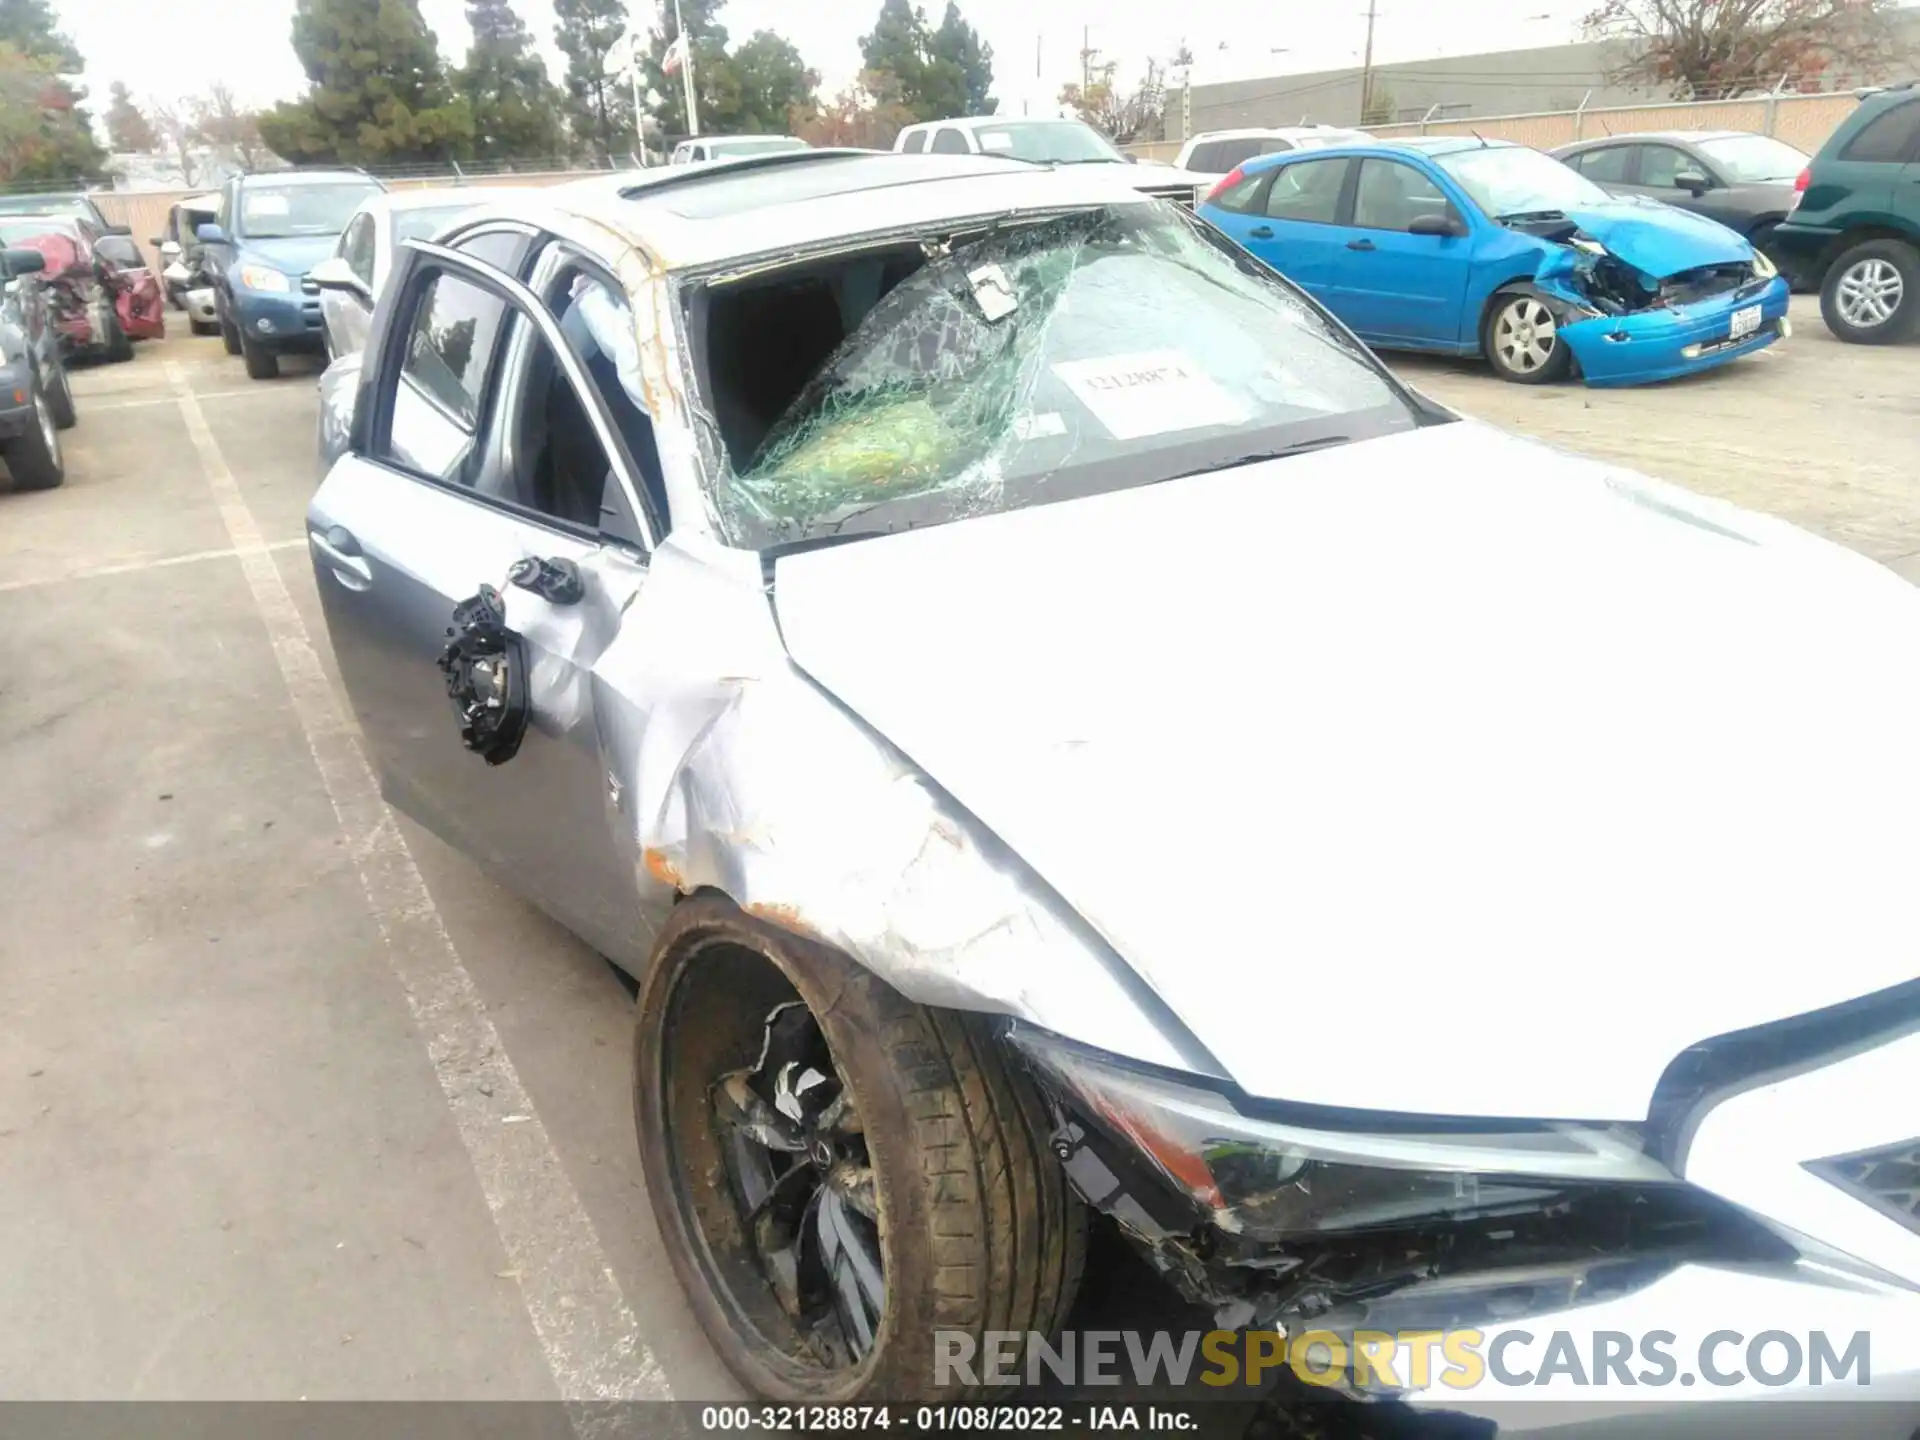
{"points": [[1856, 228]]}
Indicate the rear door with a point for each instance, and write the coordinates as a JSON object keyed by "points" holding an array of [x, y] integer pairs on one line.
{"points": [[481, 440], [1392, 286], [1295, 229]]}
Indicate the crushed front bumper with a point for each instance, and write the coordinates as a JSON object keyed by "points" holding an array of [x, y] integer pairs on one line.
{"points": [[1651, 345]]}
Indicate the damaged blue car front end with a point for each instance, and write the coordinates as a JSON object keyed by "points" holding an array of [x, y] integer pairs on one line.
{"points": [[1709, 298]]}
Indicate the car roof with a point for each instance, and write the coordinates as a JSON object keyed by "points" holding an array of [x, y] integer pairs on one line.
{"points": [[971, 122], [1432, 146], [694, 215], [308, 177], [1685, 136], [1283, 132]]}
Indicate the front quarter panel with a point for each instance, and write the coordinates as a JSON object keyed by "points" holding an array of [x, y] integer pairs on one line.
{"points": [[736, 773]]}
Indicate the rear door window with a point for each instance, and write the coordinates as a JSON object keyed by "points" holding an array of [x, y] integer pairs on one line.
{"points": [[1307, 190], [1891, 137], [916, 142], [1609, 165]]}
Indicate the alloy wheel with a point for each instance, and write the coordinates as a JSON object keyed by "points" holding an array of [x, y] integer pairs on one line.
{"points": [[796, 1159], [1525, 335], [1870, 292]]}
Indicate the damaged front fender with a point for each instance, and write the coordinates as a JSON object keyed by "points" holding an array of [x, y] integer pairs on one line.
{"points": [[738, 774]]}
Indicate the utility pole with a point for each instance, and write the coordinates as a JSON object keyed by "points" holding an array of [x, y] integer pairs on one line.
{"points": [[1087, 52], [1366, 65]]}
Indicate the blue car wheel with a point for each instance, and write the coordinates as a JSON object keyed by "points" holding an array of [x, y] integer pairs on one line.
{"points": [[1523, 340]]}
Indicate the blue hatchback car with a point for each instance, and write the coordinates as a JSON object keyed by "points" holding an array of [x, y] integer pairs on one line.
{"points": [[1472, 247]]}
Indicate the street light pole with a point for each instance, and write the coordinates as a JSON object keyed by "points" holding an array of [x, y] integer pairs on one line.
{"points": [[686, 70], [1366, 64]]}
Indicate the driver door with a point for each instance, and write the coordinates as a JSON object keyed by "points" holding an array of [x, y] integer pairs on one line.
{"points": [[479, 441]]}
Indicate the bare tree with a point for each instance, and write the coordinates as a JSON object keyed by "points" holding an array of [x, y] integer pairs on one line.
{"points": [[177, 139], [1716, 49], [1122, 115], [221, 122]]}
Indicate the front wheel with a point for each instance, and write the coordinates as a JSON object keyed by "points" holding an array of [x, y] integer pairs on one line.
{"points": [[842, 1176], [33, 457], [1523, 341], [262, 363], [229, 332], [1867, 297], [119, 344]]}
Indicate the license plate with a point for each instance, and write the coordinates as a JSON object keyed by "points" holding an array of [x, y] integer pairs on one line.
{"points": [[1745, 322]]}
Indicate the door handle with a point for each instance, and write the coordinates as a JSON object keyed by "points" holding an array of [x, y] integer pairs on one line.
{"points": [[342, 554], [1260, 232], [1359, 245]]}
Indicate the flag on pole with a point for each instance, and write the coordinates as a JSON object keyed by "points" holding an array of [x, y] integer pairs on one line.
{"points": [[676, 55]]}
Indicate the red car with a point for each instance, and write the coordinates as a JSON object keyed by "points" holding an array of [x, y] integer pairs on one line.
{"points": [[102, 294]]}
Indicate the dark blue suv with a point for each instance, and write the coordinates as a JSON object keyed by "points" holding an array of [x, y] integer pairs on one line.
{"points": [[270, 230]]}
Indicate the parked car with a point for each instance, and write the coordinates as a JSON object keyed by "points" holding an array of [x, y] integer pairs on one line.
{"points": [[1743, 180], [1213, 154], [36, 401], [271, 229], [92, 301], [769, 705], [70, 204], [179, 243], [1046, 142], [1856, 231], [1474, 247], [730, 147], [352, 279]]}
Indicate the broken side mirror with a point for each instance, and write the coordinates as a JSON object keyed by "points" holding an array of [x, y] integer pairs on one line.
{"points": [[1691, 181], [485, 665], [1442, 225]]}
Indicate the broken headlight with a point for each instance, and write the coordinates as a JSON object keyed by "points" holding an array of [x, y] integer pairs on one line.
{"points": [[1269, 1178], [1763, 266]]}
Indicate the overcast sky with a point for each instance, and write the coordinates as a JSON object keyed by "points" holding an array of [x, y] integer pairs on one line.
{"points": [[169, 50]]}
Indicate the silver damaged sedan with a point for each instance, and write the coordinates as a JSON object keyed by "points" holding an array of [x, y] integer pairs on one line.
{"points": [[1053, 726]]}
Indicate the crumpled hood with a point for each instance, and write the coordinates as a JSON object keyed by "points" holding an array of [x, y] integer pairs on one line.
{"points": [[296, 254], [1659, 240], [1442, 773]]}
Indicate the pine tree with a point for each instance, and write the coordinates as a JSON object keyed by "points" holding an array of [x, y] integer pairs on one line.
{"points": [[897, 53], [129, 130], [514, 103], [965, 63], [378, 91], [599, 106], [773, 82], [49, 133]]}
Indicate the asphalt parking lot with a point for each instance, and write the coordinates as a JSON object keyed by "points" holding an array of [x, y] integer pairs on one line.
{"points": [[293, 1102]]}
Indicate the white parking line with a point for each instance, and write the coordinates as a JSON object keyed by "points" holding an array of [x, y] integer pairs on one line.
{"points": [[133, 567], [584, 1324]]}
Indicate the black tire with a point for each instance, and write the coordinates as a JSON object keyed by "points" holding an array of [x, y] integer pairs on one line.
{"points": [[1868, 278], [119, 346], [976, 1227], [1510, 338], [34, 458], [203, 327], [60, 397], [229, 332], [262, 363]]}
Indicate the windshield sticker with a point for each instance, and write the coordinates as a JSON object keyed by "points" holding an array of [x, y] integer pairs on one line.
{"points": [[1039, 427], [1150, 393], [267, 205], [993, 292], [992, 140]]}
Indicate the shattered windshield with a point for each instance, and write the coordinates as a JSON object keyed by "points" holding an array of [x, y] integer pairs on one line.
{"points": [[1092, 352], [1754, 159], [1512, 180], [1048, 142]]}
